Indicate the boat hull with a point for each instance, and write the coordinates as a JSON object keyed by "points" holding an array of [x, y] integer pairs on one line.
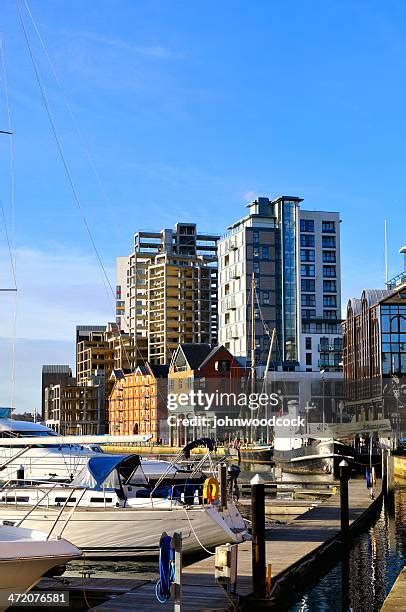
{"points": [[127, 532], [253, 455], [321, 459], [25, 556]]}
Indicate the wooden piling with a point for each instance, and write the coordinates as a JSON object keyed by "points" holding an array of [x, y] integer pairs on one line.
{"points": [[258, 536]]}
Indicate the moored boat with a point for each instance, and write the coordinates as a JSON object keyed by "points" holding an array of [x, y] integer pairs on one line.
{"points": [[107, 513], [25, 556]]}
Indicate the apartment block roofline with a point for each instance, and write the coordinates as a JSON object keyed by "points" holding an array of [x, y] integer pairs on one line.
{"points": [[285, 197], [372, 297], [56, 369]]}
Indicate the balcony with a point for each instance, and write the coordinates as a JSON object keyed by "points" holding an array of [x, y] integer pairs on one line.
{"points": [[230, 304], [396, 281], [330, 348], [329, 363]]}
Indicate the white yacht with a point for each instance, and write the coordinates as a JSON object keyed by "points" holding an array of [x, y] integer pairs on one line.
{"points": [[59, 461], [107, 512], [25, 556]]}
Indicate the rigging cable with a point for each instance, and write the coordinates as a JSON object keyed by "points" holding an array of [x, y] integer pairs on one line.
{"points": [[61, 151], [105, 278], [11, 242]]}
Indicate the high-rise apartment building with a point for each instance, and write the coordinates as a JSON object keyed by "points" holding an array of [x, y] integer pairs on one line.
{"points": [[171, 289], [293, 256]]}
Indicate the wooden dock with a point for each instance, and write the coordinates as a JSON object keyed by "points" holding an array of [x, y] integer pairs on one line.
{"points": [[293, 548], [203, 595], [283, 507], [396, 599]]}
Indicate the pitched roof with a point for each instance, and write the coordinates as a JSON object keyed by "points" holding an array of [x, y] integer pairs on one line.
{"points": [[160, 371], [195, 354]]}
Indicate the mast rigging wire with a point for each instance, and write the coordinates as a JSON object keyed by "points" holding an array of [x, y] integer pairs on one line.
{"points": [[11, 242]]}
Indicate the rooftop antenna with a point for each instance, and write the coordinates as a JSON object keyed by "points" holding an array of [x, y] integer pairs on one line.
{"points": [[386, 253]]}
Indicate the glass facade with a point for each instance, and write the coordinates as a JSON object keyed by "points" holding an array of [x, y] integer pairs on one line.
{"points": [[290, 299], [393, 335]]}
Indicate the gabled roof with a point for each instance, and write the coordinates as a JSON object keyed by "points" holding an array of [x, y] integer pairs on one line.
{"points": [[195, 354], [160, 371], [198, 355]]}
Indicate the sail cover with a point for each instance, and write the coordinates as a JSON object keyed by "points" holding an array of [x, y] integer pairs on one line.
{"points": [[102, 471]]}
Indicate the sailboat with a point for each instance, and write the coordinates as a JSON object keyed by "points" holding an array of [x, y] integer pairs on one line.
{"points": [[109, 512], [256, 451]]}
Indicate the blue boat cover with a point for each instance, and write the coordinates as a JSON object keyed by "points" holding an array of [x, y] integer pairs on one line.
{"points": [[101, 466]]}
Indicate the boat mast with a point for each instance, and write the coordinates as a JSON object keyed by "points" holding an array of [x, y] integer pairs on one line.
{"points": [[265, 379], [252, 344]]}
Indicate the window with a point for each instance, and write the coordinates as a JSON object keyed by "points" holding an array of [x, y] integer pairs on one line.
{"points": [[266, 297], [226, 260], [256, 267], [306, 255], [222, 366], [227, 318], [328, 227], [329, 286], [265, 253], [255, 237], [308, 284], [330, 300], [308, 359], [308, 344], [393, 325], [329, 256], [329, 271], [256, 251], [308, 299], [329, 314], [308, 314], [306, 270], [328, 242], [306, 225], [307, 240]]}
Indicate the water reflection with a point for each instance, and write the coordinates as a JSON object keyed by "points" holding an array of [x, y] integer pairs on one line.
{"points": [[376, 559]]}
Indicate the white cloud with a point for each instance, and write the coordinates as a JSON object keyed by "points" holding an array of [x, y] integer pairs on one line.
{"points": [[154, 51], [56, 291]]}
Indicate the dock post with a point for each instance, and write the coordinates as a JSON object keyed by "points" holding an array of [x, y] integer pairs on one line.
{"points": [[223, 485], [389, 474], [177, 584], [384, 455], [258, 536], [344, 506]]}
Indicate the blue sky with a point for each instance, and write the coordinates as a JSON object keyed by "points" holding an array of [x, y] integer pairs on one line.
{"points": [[189, 110]]}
